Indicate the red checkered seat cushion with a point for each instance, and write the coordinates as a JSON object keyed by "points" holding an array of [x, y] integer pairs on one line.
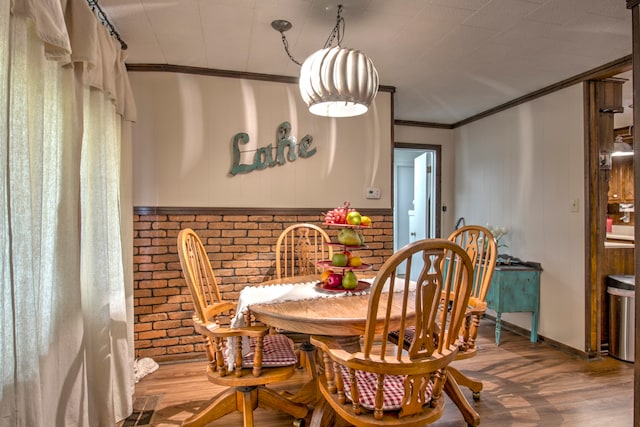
{"points": [[368, 384], [277, 350]]}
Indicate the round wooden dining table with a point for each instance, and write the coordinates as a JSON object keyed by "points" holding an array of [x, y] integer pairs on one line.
{"points": [[342, 318]]}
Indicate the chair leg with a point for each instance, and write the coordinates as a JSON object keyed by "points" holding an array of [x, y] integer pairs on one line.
{"points": [[463, 380], [221, 405], [308, 358], [270, 399], [247, 401], [452, 390]]}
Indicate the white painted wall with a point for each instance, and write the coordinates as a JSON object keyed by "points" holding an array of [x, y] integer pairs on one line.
{"points": [[182, 144], [521, 168]]}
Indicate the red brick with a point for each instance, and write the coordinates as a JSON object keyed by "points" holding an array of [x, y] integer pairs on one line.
{"points": [[152, 284], [181, 315], [259, 233], [192, 339], [152, 301], [181, 218], [234, 233], [143, 309], [141, 293], [166, 274], [142, 259], [153, 317], [235, 218], [179, 332], [165, 291], [151, 352], [245, 256], [142, 327], [153, 250], [143, 343], [209, 218], [153, 334], [153, 233], [153, 218], [162, 308], [141, 242], [234, 248], [221, 225], [180, 349], [167, 342]]}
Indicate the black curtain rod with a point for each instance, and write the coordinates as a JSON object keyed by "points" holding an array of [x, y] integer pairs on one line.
{"points": [[105, 21]]}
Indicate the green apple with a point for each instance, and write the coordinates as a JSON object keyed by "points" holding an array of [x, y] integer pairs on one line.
{"points": [[339, 259], [354, 218]]}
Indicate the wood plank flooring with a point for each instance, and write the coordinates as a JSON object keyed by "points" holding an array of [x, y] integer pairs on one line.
{"points": [[525, 384]]}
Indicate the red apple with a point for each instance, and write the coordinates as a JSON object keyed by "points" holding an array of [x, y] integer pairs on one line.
{"points": [[334, 280]]}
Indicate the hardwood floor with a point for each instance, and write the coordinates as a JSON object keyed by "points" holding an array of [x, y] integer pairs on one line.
{"points": [[525, 384]]}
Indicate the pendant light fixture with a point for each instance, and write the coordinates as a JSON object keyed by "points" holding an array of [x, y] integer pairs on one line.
{"points": [[334, 81]]}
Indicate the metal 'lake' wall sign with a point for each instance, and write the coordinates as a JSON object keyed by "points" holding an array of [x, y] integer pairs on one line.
{"points": [[263, 157]]}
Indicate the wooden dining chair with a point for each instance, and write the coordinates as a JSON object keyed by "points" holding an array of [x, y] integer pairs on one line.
{"points": [[268, 359], [383, 384], [299, 248], [481, 247]]}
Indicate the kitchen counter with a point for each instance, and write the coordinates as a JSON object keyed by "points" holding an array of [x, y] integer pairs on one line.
{"points": [[621, 236], [609, 244]]}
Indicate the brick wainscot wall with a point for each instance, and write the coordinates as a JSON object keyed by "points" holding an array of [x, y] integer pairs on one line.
{"points": [[241, 247]]}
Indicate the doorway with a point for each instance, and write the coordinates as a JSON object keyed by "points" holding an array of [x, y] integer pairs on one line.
{"points": [[416, 204]]}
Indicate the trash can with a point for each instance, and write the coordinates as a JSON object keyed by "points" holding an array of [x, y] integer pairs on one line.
{"points": [[621, 300]]}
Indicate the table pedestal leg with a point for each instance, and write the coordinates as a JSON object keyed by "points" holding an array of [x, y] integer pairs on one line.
{"points": [[308, 394]]}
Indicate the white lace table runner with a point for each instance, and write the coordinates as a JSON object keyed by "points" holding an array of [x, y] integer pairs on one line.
{"points": [[271, 294]]}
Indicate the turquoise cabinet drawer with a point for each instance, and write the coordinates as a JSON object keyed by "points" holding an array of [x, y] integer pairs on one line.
{"points": [[515, 288]]}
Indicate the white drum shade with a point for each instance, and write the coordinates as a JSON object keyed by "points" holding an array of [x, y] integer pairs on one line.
{"points": [[338, 82]]}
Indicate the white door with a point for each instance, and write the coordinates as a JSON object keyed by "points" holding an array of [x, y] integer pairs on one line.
{"points": [[414, 195], [422, 225]]}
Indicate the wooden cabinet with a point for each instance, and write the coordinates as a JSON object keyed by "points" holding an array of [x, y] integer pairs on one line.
{"points": [[515, 288], [621, 188]]}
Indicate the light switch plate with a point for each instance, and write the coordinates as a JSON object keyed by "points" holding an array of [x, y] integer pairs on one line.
{"points": [[575, 205], [373, 193]]}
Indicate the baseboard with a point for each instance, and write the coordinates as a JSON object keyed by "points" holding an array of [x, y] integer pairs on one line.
{"points": [[541, 338]]}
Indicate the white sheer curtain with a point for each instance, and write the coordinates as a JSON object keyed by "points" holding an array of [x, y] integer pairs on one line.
{"points": [[66, 345]]}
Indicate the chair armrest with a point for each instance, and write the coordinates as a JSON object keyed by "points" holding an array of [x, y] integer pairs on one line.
{"points": [[476, 308], [389, 365], [214, 331], [218, 309]]}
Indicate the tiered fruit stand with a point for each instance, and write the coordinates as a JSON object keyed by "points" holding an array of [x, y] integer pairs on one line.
{"points": [[329, 285]]}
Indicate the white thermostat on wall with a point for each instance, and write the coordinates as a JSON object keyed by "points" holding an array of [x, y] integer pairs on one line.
{"points": [[373, 193]]}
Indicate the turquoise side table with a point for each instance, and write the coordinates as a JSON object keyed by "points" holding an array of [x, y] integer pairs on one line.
{"points": [[515, 288]]}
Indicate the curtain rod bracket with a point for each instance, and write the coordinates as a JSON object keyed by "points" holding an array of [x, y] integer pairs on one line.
{"points": [[104, 20]]}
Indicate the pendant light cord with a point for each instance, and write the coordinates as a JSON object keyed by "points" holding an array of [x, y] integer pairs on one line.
{"points": [[280, 25], [338, 30], [102, 17]]}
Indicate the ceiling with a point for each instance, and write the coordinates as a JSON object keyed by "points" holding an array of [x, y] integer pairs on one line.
{"points": [[448, 59]]}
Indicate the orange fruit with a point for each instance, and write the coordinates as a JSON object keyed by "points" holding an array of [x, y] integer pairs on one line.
{"points": [[355, 261], [365, 221], [325, 275]]}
